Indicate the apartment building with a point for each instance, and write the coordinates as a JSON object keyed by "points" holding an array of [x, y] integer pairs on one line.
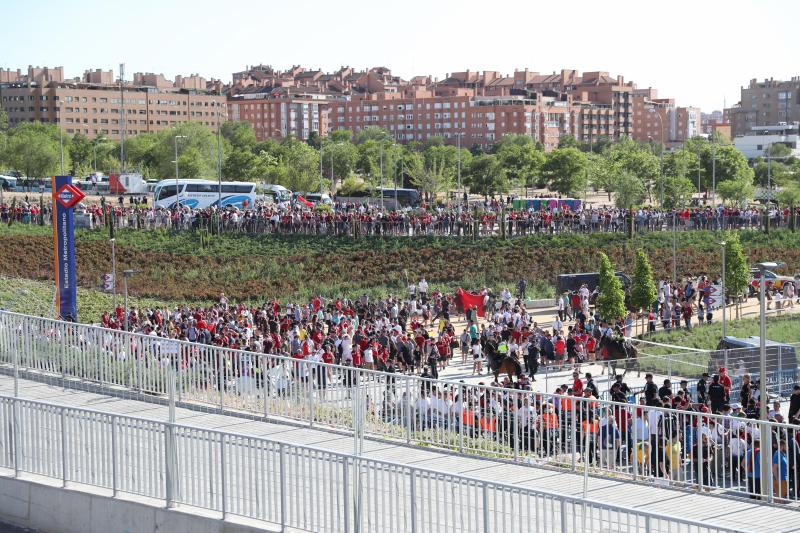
{"points": [[766, 103], [281, 112], [99, 109], [456, 116]]}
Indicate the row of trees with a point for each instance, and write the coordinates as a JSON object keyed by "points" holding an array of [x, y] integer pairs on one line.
{"points": [[629, 172], [611, 300]]}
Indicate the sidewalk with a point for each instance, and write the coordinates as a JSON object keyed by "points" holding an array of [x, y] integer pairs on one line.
{"points": [[725, 511]]}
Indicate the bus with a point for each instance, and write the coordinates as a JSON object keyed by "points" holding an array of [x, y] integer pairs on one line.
{"points": [[200, 194], [405, 197]]}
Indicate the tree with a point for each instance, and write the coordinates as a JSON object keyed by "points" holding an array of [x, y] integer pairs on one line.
{"points": [[374, 133], [643, 288], [314, 140], [737, 273], [522, 161], [610, 303], [33, 149], [568, 141], [341, 155], [3, 120], [677, 192], [681, 163], [432, 179], [341, 136], [80, 154], [629, 191], [790, 196], [723, 163], [239, 134], [737, 191], [566, 171], [298, 168], [603, 173], [638, 160], [486, 176]]}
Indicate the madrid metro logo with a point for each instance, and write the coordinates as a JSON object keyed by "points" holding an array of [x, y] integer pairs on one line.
{"points": [[69, 195]]}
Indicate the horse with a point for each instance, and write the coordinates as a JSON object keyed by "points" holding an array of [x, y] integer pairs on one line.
{"points": [[615, 350], [509, 366]]}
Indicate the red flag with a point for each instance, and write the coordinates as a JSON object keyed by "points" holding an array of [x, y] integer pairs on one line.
{"points": [[466, 300], [304, 201]]}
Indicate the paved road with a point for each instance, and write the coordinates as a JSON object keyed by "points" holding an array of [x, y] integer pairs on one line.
{"points": [[732, 512]]}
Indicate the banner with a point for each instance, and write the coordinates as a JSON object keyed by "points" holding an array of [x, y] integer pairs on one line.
{"points": [[715, 296], [466, 300], [65, 197]]}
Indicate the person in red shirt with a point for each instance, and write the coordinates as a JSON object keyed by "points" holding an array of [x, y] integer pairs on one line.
{"points": [[443, 347], [725, 381], [577, 384]]}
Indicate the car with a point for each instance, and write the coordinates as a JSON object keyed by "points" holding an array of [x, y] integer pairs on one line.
{"points": [[773, 280]]}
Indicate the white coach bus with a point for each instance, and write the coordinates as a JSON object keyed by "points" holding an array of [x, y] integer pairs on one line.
{"points": [[199, 194]]}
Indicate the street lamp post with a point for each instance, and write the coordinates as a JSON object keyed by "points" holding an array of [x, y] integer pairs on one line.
{"points": [[177, 186], [219, 173], [766, 432], [714, 176], [125, 275], [60, 138], [660, 155], [724, 297], [114, 269]]}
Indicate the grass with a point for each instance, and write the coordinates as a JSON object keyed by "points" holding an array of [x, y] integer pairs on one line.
{"points": [[183, 267], [36, 298], [785, 329]]}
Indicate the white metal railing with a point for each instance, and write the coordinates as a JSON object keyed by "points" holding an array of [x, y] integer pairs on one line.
{"points": [[679, 448], [294, 486]]}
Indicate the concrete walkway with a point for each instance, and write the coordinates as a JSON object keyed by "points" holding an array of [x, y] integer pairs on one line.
{"points": [[714, 509]]}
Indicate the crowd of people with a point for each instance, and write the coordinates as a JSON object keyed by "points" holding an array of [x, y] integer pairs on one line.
{"points": [[480, 218], [662, 432]]}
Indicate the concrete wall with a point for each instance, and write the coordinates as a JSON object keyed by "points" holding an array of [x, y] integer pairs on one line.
{"points": [[52, 509]]}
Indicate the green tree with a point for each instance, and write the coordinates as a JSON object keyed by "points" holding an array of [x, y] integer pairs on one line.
{"points": [[486, 176], [643, 287], [298, 168], [32, 148], [80, 154], [723, 163], [431, 179], [374, 133], [568, 141], [341, 155], [239, 134], [636, 159], [737, 273], [677, 192], [603, 173], [737, 191], [566, 171], [340, 136], [314, 140], [629, 191], [522, 161], [194, 139], [3, 120], [610, 302]]}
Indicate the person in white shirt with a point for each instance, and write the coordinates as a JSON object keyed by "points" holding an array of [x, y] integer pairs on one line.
{"points": [[423, 410], [423, 290]]}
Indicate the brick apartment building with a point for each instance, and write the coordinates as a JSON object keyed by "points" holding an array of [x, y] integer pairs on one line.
{"points": [[766, 103], [281, 112], [93, 105], [472, 107]]}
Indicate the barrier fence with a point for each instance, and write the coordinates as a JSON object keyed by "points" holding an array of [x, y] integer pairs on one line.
{"points": [[682, 448], [294, 486]]}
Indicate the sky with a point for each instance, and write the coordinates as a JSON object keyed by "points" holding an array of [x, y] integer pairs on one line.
{"points": [[698, 52]]}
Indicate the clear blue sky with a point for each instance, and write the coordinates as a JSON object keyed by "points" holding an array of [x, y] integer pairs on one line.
{"points": [[698, 52]]}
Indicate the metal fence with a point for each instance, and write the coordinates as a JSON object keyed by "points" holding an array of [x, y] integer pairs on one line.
{"points": [[294, 486], [672, 447]]}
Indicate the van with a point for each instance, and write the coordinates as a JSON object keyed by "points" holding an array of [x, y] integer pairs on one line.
{"points": [[573, 282], [746, 351]]}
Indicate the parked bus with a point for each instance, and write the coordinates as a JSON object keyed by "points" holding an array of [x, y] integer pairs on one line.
{"points": [[199, 194], [405, 197]]}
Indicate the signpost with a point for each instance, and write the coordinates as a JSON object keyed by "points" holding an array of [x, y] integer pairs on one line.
{"points": [[65, 197]]}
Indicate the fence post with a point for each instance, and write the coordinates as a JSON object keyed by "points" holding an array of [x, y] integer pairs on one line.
{"points": [[485, 507], [573, 429], [311, 379], [563, 515], [460, 420], [169, 443], [283, 485], [64, 454], [346, 495], [408, 408], [265, 383], [114, 474], [15, 432], [648, 526], [221, 379], [413, 506]]}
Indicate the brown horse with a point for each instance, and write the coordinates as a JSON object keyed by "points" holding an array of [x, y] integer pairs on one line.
{"points": [[615, 350], [509, 366]]}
